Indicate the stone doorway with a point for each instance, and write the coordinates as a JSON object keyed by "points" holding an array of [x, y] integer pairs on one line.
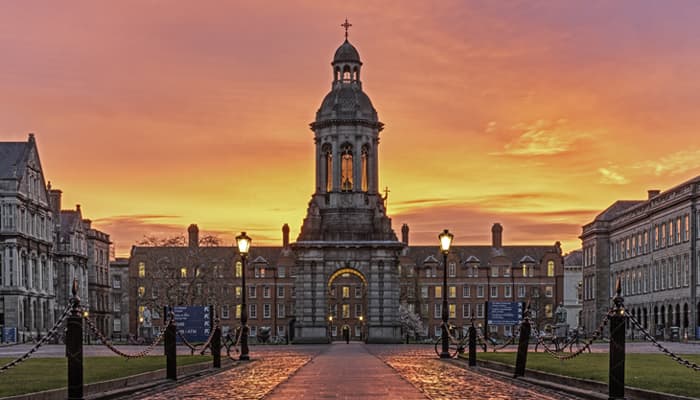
{"points": [[347, 305]]}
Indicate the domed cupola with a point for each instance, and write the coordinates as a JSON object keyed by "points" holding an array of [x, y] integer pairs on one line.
{"points": [[346, 100]]}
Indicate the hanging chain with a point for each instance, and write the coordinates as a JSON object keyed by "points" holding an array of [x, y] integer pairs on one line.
{"points": [[556, 354], [108, 343], [50, 335], [205, 346], [650, 338]]}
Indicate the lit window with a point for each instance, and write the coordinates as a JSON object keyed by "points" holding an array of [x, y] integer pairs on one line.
{"points": [[550, 267], [346, 310], [548, 311], [238, 311], [452, 291], [438, 292], [183, 272], [453, 310], [239, 269], [346, 292], [142, 269], [142, 291], [548, 291], [238, 291]]}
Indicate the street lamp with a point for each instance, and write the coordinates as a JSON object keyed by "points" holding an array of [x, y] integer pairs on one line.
{"points": [[86, 314], [362, 327], [243, 242], [488, 299], [445, 242]]}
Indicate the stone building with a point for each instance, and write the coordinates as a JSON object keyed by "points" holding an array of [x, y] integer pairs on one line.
{"points": [[119, 282], [573, 288], [99, 291], [70, 253], [651, 246], [27, 294], [347, 271]]}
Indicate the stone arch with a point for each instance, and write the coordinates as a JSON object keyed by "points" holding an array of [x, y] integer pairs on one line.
{"points": [[346, 270]]}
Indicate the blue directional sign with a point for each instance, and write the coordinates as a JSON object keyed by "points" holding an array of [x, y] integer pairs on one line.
{"points": [[9, 334], [193, 322], [505, 312]]}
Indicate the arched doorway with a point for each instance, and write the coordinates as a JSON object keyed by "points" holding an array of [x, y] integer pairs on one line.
{"points": [[347, 305]]}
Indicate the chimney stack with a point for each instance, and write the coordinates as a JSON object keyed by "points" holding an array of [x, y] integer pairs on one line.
{"points": [[404, 234], [193, 233], [285, 236], [652, 193], [55, 201], [497, 236]]}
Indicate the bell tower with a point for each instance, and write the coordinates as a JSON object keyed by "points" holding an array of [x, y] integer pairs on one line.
{"points": [[346, 224]]}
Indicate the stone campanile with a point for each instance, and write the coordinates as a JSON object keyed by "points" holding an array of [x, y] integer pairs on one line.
{"points": [[346, 231]]}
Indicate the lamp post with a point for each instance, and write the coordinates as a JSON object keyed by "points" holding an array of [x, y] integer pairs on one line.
{"points": [[243, 242], [330, 328], [86, 314], [445, 242], [487, 268], [362, 327]]}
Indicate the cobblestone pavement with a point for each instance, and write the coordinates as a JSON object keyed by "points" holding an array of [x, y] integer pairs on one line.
{"points": [[269, 367], [440, 379]]}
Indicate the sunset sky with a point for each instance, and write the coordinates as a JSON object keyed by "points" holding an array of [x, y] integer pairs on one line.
{"points": [[538, 115]]}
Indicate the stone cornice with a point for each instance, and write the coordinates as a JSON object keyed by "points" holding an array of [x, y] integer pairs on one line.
{"points": [[341, 121]]}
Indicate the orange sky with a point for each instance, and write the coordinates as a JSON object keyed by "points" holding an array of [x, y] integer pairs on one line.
{"points": [[157, 114]]}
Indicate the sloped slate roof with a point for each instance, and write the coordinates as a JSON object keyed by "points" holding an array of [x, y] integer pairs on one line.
{"points": [[12, 159], [616, 209]]}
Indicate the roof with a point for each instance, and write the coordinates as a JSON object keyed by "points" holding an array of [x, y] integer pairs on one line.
{"points": [[12, 159], [484, 254], [346, 53], [347, 101], [574, 258], [616, 209]]}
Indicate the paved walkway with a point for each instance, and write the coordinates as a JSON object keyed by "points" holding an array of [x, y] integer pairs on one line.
{"points": [[346, 371]]}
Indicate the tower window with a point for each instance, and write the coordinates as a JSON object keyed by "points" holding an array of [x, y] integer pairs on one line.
{"points": [[346, 168], [328, 155], [365, 158]]}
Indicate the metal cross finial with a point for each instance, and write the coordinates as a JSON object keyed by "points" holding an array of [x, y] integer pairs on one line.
{"points": [[347, 26]]}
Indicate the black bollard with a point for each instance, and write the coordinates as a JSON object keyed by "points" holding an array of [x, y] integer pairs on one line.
{"points": [[523, 344], [171, 351], [616, 376], [472, 346], [74, 347], [216, 344]]}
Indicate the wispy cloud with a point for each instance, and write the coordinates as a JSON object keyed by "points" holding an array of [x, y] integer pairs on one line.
{"points": [[539, 138], [673, 164], [611, 177]]}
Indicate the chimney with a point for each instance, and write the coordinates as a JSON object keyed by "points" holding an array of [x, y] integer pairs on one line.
{"points": [[652, 193], [404, 234], [285, 236], [77, 208], [497, 236], [55, 201], [193, 233]]}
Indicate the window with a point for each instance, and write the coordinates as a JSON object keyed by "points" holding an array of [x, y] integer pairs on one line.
{"points": [[224, 312], [238, 311], [494, 271], [480, 291], [358, 292], [183, 272], [267, 310], [116, 281], [438, 330], [409, 271], [438, 292], [266, 292], [253, 331], [364, 168], [507, 291], [346, 175], [453, 310], [251, 292], [494, 292], [253, 311], [466, 291], [238, 292], [424, 292], [466, 310], [663, 235], [525, 269], [346, 292], [358, 310], [154, 292], [142, 291], [239, 269], [281, 272], [678, 230], [548, 291], [142, 269], [117, 305], [480, 310], [346, 310], [117, 325], [548, 311], [438, 310], [328, 155], [451, 270], [452, 292], [550, 266], [506, 271], [334, 330], [280, 310], [656, 236], [280, 292]]}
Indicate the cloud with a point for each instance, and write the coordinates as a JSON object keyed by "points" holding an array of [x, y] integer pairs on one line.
{"points": [[673, 164], [540, 138], [610, 177]]}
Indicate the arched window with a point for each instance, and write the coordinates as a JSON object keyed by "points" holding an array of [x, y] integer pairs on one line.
{"points": [[328, 159], [346, 168], [550, 268], [337, 74], [365, 169], [346, 74]]}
